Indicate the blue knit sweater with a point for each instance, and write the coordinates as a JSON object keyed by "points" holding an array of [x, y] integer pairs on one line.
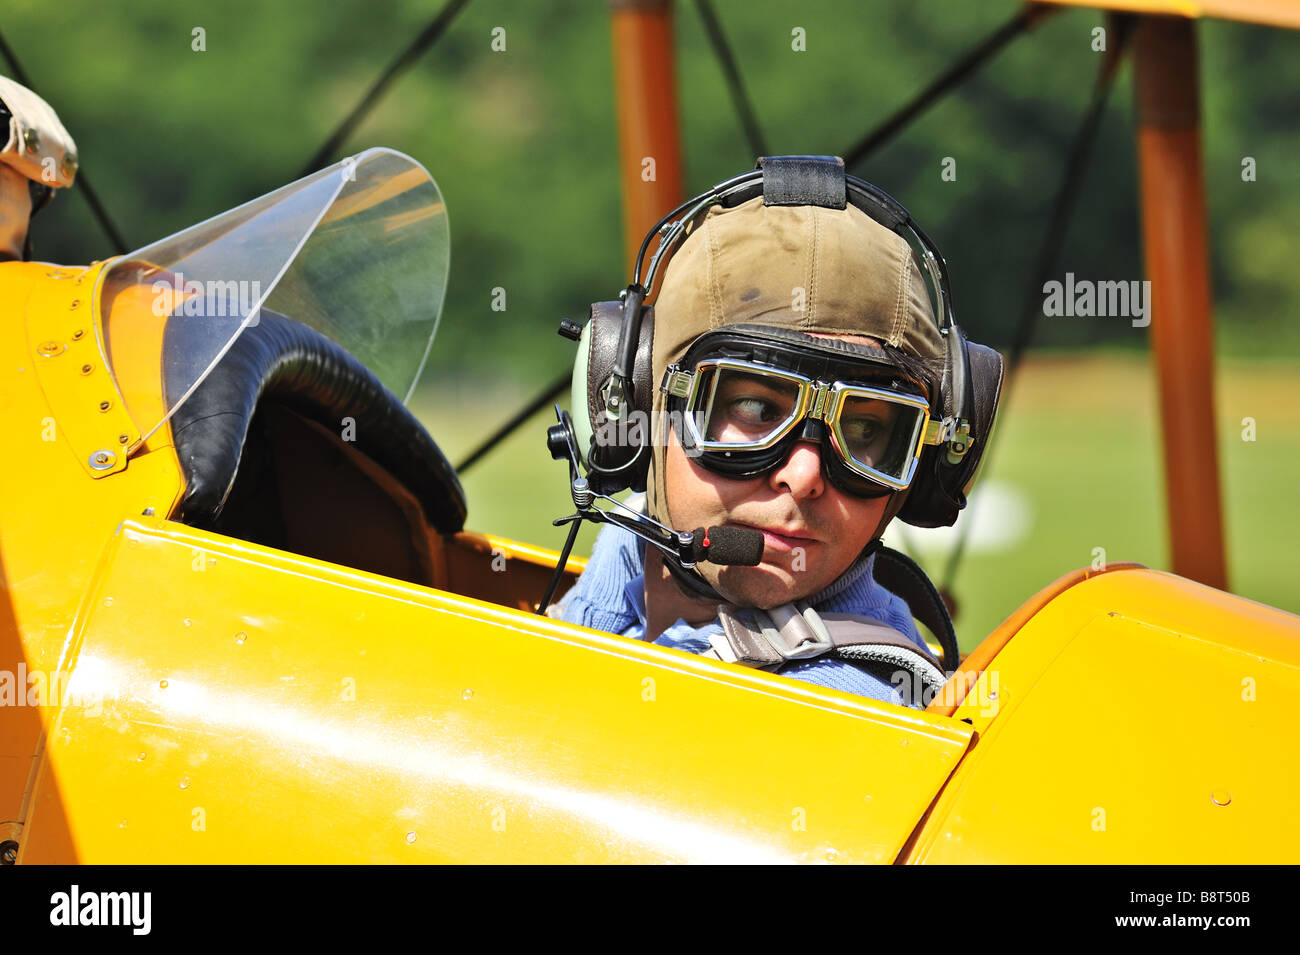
{"points": [[610, 596]]}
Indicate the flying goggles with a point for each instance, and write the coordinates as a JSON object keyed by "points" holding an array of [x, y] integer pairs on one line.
{"points": [[743, 396]]}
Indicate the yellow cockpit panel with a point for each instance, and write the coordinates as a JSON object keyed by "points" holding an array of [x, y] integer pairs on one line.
{"points": [[1108, 738], [231, 703]]}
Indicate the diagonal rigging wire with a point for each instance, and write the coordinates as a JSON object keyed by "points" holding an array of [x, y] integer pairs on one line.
{"points": [[739, 97], [753, 135], [406, 59], [545, 397], [1063, 205], [1028, 16], [82, 184]]}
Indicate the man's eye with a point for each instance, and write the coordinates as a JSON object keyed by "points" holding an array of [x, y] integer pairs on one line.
{"points": [[752, 411], [862, 429]]}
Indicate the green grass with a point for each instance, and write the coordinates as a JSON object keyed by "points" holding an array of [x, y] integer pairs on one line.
{"points": [[1078, 440]]}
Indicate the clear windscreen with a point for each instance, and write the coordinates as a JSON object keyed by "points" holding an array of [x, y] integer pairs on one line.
{"points": [[359, 251]]}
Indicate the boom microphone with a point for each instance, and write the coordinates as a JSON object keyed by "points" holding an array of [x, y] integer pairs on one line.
{"points": [[736, 546]]}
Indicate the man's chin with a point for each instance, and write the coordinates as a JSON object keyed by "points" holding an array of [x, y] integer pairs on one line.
{"points": [[764, 586]]}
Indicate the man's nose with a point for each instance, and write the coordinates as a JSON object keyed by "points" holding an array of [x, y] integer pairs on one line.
{"points": [[800, 475]]}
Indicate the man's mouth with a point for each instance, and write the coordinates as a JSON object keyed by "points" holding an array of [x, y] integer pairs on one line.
{"points": [[783, 539]]}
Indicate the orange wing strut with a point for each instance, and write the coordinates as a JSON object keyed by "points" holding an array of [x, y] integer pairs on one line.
{"points": [[1174, 234], [650, 160]]}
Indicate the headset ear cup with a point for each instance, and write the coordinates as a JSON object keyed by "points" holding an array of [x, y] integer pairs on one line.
{"points": [[927, 504], [578, 392], [609, 447], [987, 371], [939, 490], [643, 391]]}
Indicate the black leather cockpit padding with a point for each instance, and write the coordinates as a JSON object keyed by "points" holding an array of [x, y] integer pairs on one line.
{"points": [[281, 360]]}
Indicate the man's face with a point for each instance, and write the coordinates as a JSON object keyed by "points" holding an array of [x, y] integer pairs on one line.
{"points": [[812, 531]]}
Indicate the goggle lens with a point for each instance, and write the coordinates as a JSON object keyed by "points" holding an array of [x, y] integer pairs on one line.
{"points": [[745, 408], [744, 411], [879, 435]]}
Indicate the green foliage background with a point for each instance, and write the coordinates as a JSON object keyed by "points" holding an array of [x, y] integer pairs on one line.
{"points": [[523, 145]]}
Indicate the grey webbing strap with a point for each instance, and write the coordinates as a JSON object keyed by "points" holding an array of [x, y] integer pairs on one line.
{"points": [[769, 639], [887, 661], [852, 630]]}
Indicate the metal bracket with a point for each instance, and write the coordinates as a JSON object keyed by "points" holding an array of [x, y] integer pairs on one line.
{"points": [[960, 443], [63, 338], [676, 383]]}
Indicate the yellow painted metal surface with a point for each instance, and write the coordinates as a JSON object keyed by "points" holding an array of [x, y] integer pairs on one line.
{"points": [[1138, 717], [54, 516], [516, 550], [240, 704], [1281, 13]]}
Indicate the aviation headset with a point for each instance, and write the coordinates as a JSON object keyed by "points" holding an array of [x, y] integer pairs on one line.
{"points": [[613, 381]]}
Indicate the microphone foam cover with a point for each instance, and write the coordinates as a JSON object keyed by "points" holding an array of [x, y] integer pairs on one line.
{"points": [[737, 546]]}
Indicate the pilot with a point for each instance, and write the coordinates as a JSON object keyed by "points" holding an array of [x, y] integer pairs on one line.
{"points": [[38, 157], [765, 311]]}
